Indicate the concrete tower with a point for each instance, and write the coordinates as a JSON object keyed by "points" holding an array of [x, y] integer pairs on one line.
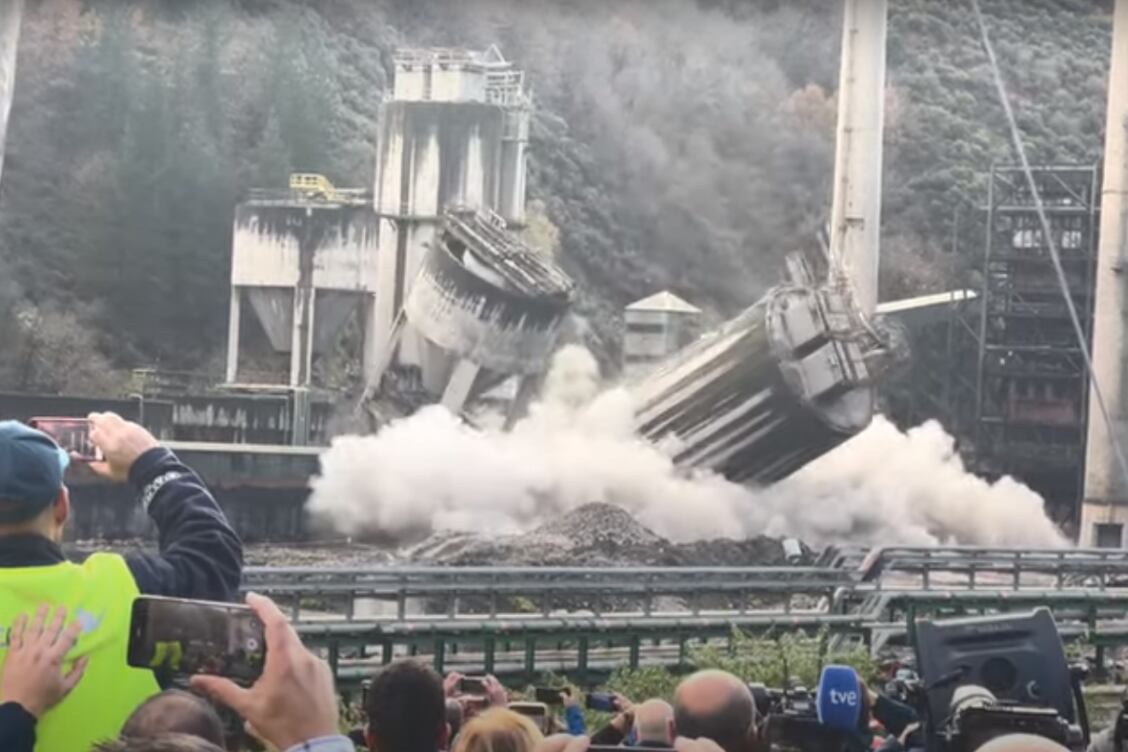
{"points": [[453, 134], [1104, 512], [11, 13], [855, 222]]}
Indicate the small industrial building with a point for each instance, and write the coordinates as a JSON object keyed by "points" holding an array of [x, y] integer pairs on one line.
{"points": [[656, 327]]}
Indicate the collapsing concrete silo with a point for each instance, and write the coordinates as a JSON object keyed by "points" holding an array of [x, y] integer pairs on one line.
{"points": [[485, 305], [453, 132], [782, 383]]}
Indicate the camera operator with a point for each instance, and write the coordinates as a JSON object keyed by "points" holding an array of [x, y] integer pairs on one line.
{"points": [[899, 720]]}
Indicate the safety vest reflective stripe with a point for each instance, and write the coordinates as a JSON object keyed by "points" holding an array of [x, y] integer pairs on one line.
{"points": [[99, 593]]}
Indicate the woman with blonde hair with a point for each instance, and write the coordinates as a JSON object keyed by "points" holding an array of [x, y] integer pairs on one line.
{"points": [[498, 730]]}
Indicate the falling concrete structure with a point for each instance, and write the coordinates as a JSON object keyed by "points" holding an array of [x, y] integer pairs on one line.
{"points": [[453, 134], [483, 306], [304, 264], [792, 377], [1104, 511], [655, 328], [774, 388]]}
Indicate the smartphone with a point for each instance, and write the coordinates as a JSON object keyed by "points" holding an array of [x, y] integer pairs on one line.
{"points": [[472, 685], [602, 701], [551, 695], [72, 434], [181, 638], [536, 711]]}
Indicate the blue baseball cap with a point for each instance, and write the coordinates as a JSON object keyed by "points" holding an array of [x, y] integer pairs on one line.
{"points": [[32, 466]]}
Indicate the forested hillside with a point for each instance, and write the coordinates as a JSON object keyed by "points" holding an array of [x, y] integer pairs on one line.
{"points": [[676, 143]]}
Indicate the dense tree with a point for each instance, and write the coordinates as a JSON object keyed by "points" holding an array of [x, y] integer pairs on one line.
{"points": [[676, 143]]}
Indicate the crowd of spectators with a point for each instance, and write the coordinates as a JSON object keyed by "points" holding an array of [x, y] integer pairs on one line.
{"points": [[65, 685]]}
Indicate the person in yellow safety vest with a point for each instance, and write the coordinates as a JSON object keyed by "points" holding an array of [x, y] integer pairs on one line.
{"points": [[167, 654], [199, 556]]}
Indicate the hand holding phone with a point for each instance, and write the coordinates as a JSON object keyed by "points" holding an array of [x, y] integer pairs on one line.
{"points": [[294, 700], [602, 701], [184, 638], [121, 441], [72, 435]]}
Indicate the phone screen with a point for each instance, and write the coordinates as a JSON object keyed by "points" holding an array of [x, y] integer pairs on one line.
{"points": [[71, 434], [602, 701], [550, 695], [184, 637], [537, 712], [472, 685]]}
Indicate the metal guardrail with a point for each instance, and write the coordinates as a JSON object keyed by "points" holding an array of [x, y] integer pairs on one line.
{"points": [[612, 616], [1103, 563], [488, 590]]}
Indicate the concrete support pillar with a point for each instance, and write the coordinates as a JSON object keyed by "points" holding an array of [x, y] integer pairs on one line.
{"points": [[1106, 491], [372, 340], [233, 319], [461, 382], [855, 221], [11, 14], [301, 339]]}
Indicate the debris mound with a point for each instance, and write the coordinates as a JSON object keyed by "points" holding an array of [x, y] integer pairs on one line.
{"points": [[595, 534]]}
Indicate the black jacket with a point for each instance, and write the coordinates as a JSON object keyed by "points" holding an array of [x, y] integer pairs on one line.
{"points": [[199, 555]]}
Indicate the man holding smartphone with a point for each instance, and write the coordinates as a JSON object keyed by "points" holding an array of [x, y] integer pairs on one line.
{"points": [[199, 556]]}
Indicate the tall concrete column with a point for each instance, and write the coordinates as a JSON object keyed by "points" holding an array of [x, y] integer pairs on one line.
{"points": [[1106, 491], [11, 13], [301, 338], [372, 345], [855, 221], [233, 319]]}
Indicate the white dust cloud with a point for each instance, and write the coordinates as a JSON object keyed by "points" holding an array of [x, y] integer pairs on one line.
{"points": [[432, 472]]}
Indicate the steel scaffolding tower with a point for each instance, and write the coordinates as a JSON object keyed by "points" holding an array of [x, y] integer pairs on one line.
{"points": [[1032, 387]]}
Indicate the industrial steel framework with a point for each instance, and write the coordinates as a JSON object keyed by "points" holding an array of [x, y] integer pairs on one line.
{"points": [[1032, 388]]}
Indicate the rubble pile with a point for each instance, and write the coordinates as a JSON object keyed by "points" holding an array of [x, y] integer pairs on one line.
{"points": [[595, 534]]}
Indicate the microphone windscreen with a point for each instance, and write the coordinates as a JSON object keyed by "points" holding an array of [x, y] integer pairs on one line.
{"points": [[840, 700]]}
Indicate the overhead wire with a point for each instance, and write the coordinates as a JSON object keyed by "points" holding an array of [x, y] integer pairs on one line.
{"points": [[1055, 258]]}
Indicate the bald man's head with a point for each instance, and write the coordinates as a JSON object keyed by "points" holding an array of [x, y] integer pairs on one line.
{"points": [[174, 711], [716, 705], [654, 723], [1021, 743]]}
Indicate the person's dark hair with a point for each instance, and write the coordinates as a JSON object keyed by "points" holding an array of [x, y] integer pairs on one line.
{"points": [[175, 712], [159, 743], [453, 717], [406, 708], [729, 721]]}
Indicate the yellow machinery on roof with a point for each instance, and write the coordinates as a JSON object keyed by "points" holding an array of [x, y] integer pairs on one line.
{"points": [[312, 185]]}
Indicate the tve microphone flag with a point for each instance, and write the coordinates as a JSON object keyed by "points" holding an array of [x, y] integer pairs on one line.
{"points": [[840, 699]]}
